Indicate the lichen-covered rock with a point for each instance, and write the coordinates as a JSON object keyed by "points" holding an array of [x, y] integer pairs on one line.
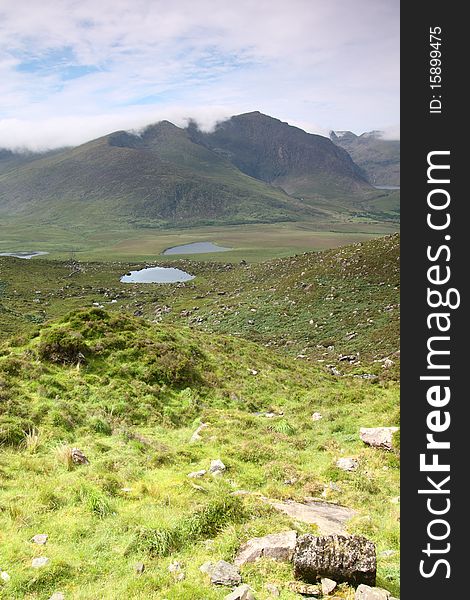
{"points": [[378, 437], [365, 592], [350, 559], [305, 589], [277, 546], [223, 573]]}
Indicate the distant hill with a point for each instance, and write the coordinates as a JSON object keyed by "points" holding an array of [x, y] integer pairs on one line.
{"points": [[251, 168], [378, 158]]}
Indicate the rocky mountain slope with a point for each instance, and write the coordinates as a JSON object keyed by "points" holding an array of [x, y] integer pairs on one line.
{"points": [[378, 158]]}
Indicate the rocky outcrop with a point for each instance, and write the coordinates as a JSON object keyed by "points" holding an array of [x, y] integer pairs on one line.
{"points": [[350, 559]]}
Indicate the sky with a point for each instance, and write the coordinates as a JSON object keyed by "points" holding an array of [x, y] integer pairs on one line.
{"points": [[73, 70]]}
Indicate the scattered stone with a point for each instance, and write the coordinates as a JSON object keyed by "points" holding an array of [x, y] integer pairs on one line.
{"points": [[253, 371], [174, 567], [327, 586], [41, 561], [139, 567], [304, 589], [316, 416], [273, 590], [197, 474], [242, 592], [180, 576], [4, 576], [350, 559], [223, 573], [378, 437], [217, 467], [347, 464], [197, 434], [57, 596], [388, 363], [364, 592], [40, 538], [277, 546], [78, 457]]}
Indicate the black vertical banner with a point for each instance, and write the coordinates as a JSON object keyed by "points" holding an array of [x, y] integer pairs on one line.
{"points": [[435, 353]]}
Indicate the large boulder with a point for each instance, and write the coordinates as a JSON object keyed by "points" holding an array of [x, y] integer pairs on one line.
{"points": [[378, 437], [350, 559], [278, 546]]}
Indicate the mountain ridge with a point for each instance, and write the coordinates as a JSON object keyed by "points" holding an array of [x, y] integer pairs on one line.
{"points": [[251, 168]]}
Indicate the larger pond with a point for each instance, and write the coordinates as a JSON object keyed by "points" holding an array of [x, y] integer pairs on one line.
{"points": [[26, 255], [196, 248], [157, 275]]}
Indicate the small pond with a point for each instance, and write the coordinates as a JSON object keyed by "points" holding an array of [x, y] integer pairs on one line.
{"points": [[23, 254], [196, 248], [156, 275]]}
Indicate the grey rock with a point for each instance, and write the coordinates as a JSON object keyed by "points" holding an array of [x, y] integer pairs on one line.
{"points": [[223, 573], [327, 586], [277, 546], [347, 464], [78, 457], [4, 576], [197, 474], [364, 592], [40, 538], [316, 416], [217, 466], [57, 596], [350, 559], [242, 592], [41, 561], [378, 437], [139, 567], [387, 553], [174, 567]]}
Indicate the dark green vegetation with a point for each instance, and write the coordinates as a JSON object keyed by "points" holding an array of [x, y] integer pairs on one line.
{"points": [[252, 169], [378, 158], [129, 391]]}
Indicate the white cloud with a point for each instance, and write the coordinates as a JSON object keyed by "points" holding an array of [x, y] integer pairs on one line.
{"points": [[322, 64]]}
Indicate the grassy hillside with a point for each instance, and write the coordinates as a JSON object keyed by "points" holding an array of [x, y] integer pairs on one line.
{"points": [[321, 306], [129, 394]]}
